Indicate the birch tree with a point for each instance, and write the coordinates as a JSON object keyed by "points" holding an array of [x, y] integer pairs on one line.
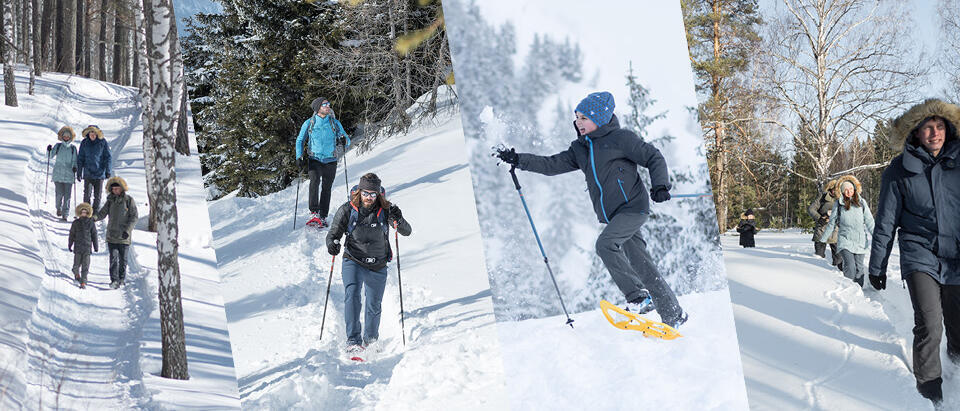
{"points": [[7, 49], [949, 53], [165, 78], [835, 68]]}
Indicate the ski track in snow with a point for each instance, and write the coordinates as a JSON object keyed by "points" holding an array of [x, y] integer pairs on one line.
{"points": [[275, 284], [67, 357], [97, 348], [812, 339]]}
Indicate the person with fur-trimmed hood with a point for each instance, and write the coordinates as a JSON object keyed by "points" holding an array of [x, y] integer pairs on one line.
{"points": [[323, 134], [919, 204], [82, 241], [365, 221], [94, 163], [853, 221], [609, 156], [820, 209], [122, 211], [64, 169], [747, 229]]}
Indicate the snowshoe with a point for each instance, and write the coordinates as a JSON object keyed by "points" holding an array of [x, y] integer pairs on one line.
{"points": [[641, 305], [114, 285], [317, 221], [83, 285], [354, 352], [626, 320]]}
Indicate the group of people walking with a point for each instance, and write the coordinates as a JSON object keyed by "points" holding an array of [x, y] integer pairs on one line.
{"points": [[364, 220], [918, 204], [91, 164]]}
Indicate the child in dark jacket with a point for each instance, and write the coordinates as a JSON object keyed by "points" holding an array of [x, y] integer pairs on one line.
{"points": [[83, 239]]}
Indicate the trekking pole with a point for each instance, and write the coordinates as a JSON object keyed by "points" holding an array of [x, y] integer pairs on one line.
{"points": [[692, 195], [346, 178], [329, 280], [539, 244], [297, 203], [396, 237], [46, 187]]}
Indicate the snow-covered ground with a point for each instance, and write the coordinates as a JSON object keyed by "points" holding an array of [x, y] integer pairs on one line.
{"points": [[275, 282], [812, 339], [597, 366], [66, 348]]}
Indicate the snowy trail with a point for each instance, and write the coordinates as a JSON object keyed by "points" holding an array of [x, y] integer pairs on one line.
{"points": [[812, 339], [597, 366], [96, 348], [275, 282]]}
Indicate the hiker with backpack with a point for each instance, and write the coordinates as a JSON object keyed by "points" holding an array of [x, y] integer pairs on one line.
{"points": [[64, 169], [852, 218], [366, 221], [122, 211], [747, 229], [608, 156], [323, 134], [94, 164]]}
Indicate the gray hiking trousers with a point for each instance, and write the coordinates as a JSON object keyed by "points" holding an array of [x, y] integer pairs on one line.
{"points": [[935, 307], [625, 255]]}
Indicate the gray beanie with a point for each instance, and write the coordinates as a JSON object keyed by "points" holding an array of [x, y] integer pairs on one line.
{"points": [[315, 105]]}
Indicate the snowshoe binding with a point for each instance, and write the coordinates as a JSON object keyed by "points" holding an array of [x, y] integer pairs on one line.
{"points": [[640, 305], [625, 320], [354, 352]]}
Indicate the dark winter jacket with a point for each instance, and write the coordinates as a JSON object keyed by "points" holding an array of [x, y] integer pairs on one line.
{"points": [[608, 157], [368, 244], [322, 137], [94, 159], [83, 232], [820, 210], [122, 211], [920, 196], [747, 229]]}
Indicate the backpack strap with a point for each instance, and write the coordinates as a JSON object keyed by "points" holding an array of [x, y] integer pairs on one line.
{"points": [[306, 140], [355, 215]]}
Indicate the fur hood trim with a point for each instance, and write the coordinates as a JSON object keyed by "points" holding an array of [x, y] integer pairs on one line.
{"points": [[116, 179], [94, 129], [903, 127], [84, 206], [66, 129]]}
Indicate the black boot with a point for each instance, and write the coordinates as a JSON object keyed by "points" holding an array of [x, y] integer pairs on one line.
{"points": [[932, 391], [859, 281]]}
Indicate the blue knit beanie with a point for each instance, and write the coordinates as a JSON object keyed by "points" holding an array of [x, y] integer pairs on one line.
{"points": [[598, 107]]}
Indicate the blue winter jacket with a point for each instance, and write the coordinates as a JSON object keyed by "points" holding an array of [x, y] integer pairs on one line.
{"points": [[608, 158], [64, 156], [920, 202], [322, 138], [94, 161]]}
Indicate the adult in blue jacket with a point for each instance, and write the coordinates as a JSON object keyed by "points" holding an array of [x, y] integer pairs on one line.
{"points": [[608, 156], [323, 134], [64, 155], [920, 201], [94, 164]]}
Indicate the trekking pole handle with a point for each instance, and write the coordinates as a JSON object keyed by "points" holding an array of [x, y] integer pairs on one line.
{"points": [[513, 175]]}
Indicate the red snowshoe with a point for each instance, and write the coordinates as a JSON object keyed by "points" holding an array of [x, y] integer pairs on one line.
{"points": [[317, 221]]}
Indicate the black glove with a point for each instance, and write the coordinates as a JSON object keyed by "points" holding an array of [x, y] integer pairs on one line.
{"points": [[302, 162], [334, 248], [395, 213], [125, 235], [342, 141], [74, 169], [659, 194], [69, 248], [508, 156], [49, 148], [80, 175], [879, 282]]}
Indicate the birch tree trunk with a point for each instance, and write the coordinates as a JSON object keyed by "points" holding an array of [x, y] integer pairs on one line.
{"points": [[166, 78], [141, 39], [102, 43], [29, 41], [9, 82], [37, 39]]}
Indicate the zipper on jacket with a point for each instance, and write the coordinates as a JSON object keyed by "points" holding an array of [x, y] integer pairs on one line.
{"points": [[593, 165], [621, 191]]}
